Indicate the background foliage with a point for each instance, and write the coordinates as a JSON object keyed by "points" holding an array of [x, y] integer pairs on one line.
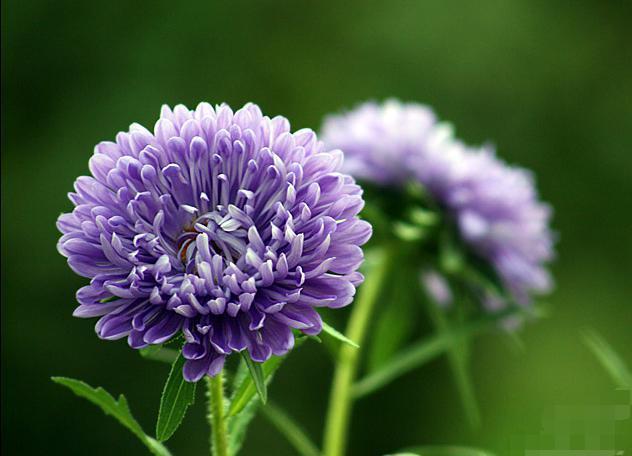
{"points": [[549, 82]]}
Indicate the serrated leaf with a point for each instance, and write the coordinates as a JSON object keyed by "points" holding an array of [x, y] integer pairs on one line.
{"points": [[426, 350], [292, 432], [177, 395], [118, 409], [333, 332], [608, 357], [443, 450]]}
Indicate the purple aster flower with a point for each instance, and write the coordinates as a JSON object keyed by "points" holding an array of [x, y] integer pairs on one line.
{"points": [[495, 206], [225, 227], [376, 139]]}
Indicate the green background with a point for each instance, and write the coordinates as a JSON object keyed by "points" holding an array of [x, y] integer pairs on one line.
{"points": [[549, 82]]}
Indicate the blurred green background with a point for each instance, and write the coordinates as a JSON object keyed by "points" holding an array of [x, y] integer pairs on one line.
{"points": [[549, 82]]}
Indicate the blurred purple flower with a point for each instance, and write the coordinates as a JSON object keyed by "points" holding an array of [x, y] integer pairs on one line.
{"points": [[223, 226], [377, 140], [495, 206]]}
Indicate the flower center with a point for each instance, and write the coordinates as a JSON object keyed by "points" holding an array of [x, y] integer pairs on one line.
{"points": [[226, 235]]}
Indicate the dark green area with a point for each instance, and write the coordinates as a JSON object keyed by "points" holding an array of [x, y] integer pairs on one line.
{"points": [[549, 82]]}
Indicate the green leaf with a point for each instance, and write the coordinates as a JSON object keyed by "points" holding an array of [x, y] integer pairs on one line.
{"points": [[608, 357], [245, 402], [458, 358], [391, 328], [118, 409], [258, 376], [394, 321], [244, 387], [247, 389], [426, 350], [338, 335], [159, 353], [177, 395], [443, 450], [292, 432], [238, 425]]}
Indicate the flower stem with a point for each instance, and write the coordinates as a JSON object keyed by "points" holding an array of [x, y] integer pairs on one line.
{"points": [[339, 412], [216, 418]]}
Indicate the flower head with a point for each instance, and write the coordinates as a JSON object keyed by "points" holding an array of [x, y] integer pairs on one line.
{"points": [[495, 206], [377, 140], [225, 227]]}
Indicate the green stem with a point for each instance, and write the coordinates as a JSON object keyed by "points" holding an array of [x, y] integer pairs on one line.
{"points": [[340, 399], [216, 417], [458, 360], [292, 432]]}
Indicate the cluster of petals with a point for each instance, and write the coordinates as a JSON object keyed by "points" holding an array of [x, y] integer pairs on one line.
{"points": [[495, 206], [222, 226]]}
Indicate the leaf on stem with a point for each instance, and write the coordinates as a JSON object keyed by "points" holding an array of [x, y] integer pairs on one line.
{"points": [[244, 386], [247, 389], [119, 409], [608, 357], [391, 330], [238, 425], [177, 395], [258, 377], [333, 332], [458, 358], [426, 350]]}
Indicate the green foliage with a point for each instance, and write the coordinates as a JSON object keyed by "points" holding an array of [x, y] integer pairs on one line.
{"points": [[333, 332], [408, 232], [159, 353], [257, 375], [425, 350], [119, 409], [391, 328], [238, 424], [292, 432], [177, 395], [423, 217], [443, 450], [395, 317], [458, 356], [244, 386], [609, 358], [247, 389], [245, 401]]}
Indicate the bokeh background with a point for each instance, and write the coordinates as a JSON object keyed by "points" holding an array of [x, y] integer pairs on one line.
{"points": [[549, 82]]}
